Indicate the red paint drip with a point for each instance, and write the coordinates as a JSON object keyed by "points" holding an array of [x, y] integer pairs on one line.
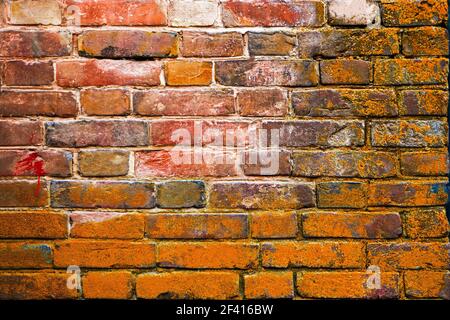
{"points": [[31, 162]]}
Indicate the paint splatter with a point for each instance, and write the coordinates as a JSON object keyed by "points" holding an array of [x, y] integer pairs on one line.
{"points": [[31, 162]]}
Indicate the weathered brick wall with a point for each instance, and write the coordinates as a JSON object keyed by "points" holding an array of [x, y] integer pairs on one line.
{"points": [[93, 90]]}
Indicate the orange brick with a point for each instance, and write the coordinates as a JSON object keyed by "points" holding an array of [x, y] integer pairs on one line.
{"points": [[274, 225], [105, 102], [107, 285], [25, 255], [23, 194], [188, 73], [427, 284], [426, 223], [269, 285], [424, 163]]}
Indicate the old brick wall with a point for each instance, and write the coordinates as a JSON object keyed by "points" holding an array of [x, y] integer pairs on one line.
{"points": [[92, 92]]}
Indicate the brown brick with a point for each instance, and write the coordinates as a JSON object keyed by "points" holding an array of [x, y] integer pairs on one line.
{"points": [[23, 194], [271, 44], [261, 195], [358, 225], [29, 12], [107, 225], [423, 102], [188, 285], [407, 193], [426, 223], [197, 226], [21, 133], [33, 224], [346, 285], [208, 255], [102, 194], [115, 102], [127, 44], [104, 254], [107, 285], [249, 73], [85, 133], [409, 255], [269, 285], [341, 195], [411, 71], [200, 44], [345, 72], [274, 225], [263, 162], [23, 73], [427, 284], [180, 194], [188, 73], [25, 255], [426, 41], [262, 103], [103, 163], [413, 13], [313, 254], [34, 44], [344, 103], [35, 285], [424, 163]]}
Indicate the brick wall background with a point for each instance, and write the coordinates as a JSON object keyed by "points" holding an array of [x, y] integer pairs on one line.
{"points": [[91, 92]]}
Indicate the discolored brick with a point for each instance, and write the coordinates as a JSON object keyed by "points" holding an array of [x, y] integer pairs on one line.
{"points": [[341, 195], [271, 44], [21, 133], [113, 102], [107, 285], [345, 72], [103, 163], [22, 73], [426, 223], [184, 73], [413, 13], [201, 44], [274, 225], [180, 194], [25, 255], [262, 102], [424, 163], [34, 44], [427, 284], [269, 285], [23, 194], [426, 41], [423, 102]]}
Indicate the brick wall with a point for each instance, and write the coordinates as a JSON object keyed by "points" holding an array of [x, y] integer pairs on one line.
{"points": [[96, 96]]}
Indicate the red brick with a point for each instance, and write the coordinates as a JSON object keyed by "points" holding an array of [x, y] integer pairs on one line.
{"points": [[106, 225], [426, 41], [211, 255], [25, 255], [200, 44], [188, 73], [38, 103], [345, 72], [424, 163], [413, 13], [427, 284], [341, 195], [33, 224], [269, 285], [35, 44], [23, 73], [107, 285], [20, 133], [273, 13], [84, 73], [184, 102], [197, 226], [23, 194], [104, 254], [262, 103], [423, 102], [274, 225], [113, 102]]}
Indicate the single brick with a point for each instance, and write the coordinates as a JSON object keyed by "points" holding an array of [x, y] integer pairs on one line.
{"points": [[38, 103], [188, 73], [117, 12], [353, 12], [273, 13], [186, 102], [411, 71], [264, 162], [85, 73], [102, 194], [426, 223], [29, 12], [274, 225], [106, 225], [33, 224], [427, 284], [104, 254], [188, 285], [341, 195], [107, 285], [413, 13], [180, 194], [426, 41], [262, 102], [261, 195], [346, 285], [35, 44], [423, 102], [200, 44], [25, 73], [197, 226], [127, 44], [318, 133], [344, 103], [271, 44], [408, 255], [113, 102], [269, 285], [86, 133], [345, 72], [344, 164], [424, 163], [409, 133], [250, 73], [25, 255], [103, 163], [313, 254], [348, 42], [20, 133], [208, 255], [193, 12], [35, 286], [358, 225], [23, 194]]}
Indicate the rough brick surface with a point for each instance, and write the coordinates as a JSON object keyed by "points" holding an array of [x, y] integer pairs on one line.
{"points": [[224, 149]]}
